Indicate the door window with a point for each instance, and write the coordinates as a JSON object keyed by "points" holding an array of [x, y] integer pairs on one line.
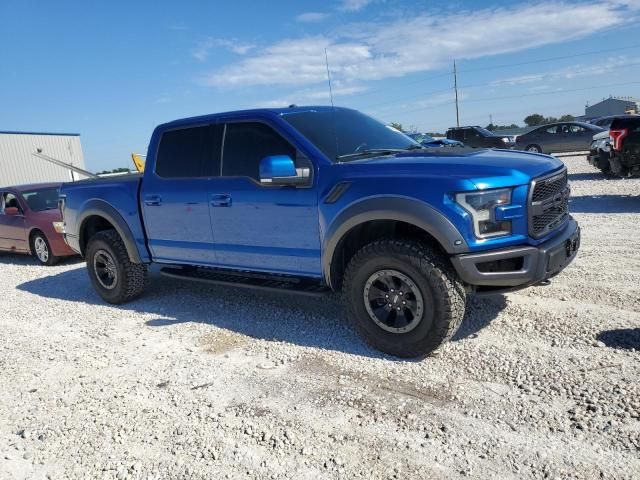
{"points": [[553, 130], [9, 200], [576, 129], [190, 152], [245, 144]]}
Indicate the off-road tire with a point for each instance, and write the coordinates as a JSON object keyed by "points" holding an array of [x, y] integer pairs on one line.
{"points": [[51, 259], [131, 277], [443, 294]]}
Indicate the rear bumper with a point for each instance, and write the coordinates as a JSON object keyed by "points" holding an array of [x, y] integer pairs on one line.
{"points": [[519, 267]]}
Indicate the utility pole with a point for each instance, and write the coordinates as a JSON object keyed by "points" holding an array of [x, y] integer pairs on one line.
{"points": [[490, 119], [455, 87]]}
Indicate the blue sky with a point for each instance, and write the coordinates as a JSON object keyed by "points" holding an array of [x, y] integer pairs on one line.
{"points": [[112, 71]]}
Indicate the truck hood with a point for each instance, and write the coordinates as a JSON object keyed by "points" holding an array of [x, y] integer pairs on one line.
{"points": [[485, 168]]}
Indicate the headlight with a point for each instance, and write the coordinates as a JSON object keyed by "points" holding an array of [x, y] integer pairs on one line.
{"points": [[482, 206], [58, 227], [505, 140]]}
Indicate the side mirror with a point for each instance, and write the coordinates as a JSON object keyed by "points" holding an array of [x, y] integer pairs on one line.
{"points": [[12, 211], [280, 170]]}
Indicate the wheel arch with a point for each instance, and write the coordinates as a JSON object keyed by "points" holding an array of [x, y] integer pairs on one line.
{"points": [[384, 217], [98, 216]]}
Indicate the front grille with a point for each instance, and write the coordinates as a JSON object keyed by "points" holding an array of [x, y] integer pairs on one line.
{"points": [[548, 204]]}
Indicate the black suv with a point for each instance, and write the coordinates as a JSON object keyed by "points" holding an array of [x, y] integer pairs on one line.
{"points": [[478, 137]]}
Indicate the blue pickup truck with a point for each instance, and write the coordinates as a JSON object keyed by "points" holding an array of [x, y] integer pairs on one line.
{"points": [[310, 200]]}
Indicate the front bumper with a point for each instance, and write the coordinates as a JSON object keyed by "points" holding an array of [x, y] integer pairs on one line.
{"points": [[519, 267]]}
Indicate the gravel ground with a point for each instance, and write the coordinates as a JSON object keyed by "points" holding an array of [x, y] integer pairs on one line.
{"points": [[203, 382]]}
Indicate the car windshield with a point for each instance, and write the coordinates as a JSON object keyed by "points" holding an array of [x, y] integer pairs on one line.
{"points": [[42, 199], [344, 135]]}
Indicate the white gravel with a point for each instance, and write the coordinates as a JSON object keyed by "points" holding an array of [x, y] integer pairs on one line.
{"points": [[198, 382]]}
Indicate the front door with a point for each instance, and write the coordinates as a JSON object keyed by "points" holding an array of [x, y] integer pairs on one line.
{"points": [[12, 227], [256, 227], [174, 196]]}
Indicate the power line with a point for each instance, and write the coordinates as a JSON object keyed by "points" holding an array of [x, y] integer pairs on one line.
{"points": [[492, 83], [497, 67], [536, 94]]}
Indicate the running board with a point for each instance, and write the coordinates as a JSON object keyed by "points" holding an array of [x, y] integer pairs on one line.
{"points": [[249, 280]]}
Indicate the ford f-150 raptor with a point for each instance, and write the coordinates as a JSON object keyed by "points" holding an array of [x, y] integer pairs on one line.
{"points": [[314, 199]]}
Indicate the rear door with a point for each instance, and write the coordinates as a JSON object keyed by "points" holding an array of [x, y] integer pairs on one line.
{"points": [[174, 195], [12, 227]]}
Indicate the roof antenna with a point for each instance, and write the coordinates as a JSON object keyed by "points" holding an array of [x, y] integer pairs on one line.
{"points": [[326, 59], [333, 108]]}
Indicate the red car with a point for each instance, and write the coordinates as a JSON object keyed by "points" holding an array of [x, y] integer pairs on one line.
{"points": [[31, 223]]}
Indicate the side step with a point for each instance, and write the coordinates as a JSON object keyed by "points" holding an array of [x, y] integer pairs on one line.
{"points": [[251, 280]]}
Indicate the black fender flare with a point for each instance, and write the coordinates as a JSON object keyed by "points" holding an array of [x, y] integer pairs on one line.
{"points": [[100, 208], [398, 208]]}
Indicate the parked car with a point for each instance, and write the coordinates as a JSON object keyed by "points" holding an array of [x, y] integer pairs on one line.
{"points": [[558, 138], [429, 141], [314, 199], [478, 137], [617, 151], [31, 223]]}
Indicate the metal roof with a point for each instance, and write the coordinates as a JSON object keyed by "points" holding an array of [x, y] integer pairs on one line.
{"points": [[7, 132]]}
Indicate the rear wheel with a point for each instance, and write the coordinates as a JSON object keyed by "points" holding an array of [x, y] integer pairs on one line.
{"points": [[114, 276], [534, 148], [42, 250], [404, 297]]}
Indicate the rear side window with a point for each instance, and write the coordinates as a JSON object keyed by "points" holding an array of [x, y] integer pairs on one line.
{"points": [[190, 152], [246, 144]]}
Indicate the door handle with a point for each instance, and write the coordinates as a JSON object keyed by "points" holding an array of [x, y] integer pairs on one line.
{"points": [[153, 200], [220, 200]]}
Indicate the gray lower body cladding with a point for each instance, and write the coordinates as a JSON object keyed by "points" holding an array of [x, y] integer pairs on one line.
{"points": [[518, 267]]}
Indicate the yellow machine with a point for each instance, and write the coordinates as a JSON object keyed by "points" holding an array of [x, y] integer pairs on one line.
{"points": [[138, 161]]}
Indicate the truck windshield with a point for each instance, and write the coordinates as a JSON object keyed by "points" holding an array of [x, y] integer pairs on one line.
{"points": [[344, 135], [42, 199]]}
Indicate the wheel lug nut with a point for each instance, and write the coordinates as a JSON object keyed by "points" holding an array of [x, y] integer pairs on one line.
{"points": [[404, 303], [392, 290], [398, 309], [390, 305]]}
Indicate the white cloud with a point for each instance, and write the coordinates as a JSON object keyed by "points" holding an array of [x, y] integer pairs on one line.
{"points": [[419, 42], [354, 5], [202, 51], [601, 67], [311, 17], [306, 97]]}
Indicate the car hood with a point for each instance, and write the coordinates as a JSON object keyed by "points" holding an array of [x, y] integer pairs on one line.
{"points": [[601, 135], [484, 168]]}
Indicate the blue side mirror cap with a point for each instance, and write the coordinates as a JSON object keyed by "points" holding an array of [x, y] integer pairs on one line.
{"points": [[277, 169]]}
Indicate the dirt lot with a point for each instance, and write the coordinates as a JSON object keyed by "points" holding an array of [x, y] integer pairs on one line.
{"points": [[198, 382]]}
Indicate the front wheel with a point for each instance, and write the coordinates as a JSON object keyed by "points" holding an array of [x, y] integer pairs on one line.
{"points": [[404, 297], [114, 276], [42, 250], [534, 148]]}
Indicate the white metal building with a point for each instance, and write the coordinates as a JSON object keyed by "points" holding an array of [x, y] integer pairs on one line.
{"points": [[19, 166]]}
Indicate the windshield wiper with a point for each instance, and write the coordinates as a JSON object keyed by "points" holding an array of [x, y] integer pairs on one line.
{"points": [[372, 151]]}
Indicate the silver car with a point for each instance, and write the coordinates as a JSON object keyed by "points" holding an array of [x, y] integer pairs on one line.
{"points": [[558, 137]]}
